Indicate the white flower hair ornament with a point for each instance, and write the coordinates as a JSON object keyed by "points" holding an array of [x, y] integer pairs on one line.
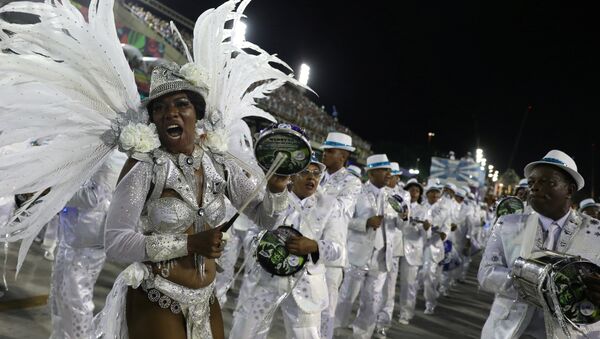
{"points": [[196, 76]]}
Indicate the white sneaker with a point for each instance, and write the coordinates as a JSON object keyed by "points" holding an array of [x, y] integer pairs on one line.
{"points": [[403, 321], [429, 310], [49, 255], [380, 333]]}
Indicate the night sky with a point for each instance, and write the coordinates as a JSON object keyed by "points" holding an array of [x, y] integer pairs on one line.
{"points": [[471, 72]]}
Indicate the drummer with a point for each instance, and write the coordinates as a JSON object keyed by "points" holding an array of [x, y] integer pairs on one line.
{"points": [[552, 182], [311, 213], [370, 250], [590, 207], [343, 185]]}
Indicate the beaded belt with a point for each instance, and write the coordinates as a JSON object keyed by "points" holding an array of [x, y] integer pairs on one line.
{"points": [[169, 294]]}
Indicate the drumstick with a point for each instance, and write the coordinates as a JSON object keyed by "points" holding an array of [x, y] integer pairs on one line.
{"points": [[279, 160]]}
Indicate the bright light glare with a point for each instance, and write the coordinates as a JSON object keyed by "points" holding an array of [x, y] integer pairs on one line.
{"points": [[304, 73], [239, 33]]}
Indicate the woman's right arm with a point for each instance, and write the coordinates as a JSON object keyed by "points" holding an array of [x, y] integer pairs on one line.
{"points": [[122, 241]]}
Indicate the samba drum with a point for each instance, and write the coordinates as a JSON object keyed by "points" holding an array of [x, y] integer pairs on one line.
{"points": [[398, 203], [272, 254], [287, 139], [509, 205], [557, 280]]}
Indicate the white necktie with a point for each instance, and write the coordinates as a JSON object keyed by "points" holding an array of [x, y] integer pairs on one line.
{"points": [[553, 232]]}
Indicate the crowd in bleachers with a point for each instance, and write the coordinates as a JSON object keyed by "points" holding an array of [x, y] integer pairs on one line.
{"points": [[290, 105], [162, 27]]}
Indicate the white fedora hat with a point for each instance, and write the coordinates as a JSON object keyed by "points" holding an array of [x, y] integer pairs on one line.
{"points": [[561, 160], [354, 170], [585, 203], [413, 181], [523, 183], [461, 193], [378, 161], [338, 140], [432, 188], [396, 168], [450, 186]]}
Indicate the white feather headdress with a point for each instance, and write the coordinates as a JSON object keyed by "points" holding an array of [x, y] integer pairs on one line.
{"points": [[66, 85]]}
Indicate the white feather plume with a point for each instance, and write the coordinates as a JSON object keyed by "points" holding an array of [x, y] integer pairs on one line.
{"points": [[239, 74], [64, 81]]}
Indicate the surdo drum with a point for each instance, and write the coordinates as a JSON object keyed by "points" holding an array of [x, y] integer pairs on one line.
{"points": [[557, 280]]}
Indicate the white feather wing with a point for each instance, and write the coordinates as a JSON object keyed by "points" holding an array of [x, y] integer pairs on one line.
{"points": [[64, 79]]}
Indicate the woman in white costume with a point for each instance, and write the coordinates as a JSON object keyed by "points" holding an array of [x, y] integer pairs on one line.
{"points": [[168, 205]]}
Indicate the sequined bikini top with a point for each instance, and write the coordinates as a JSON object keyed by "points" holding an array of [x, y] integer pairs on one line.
{"points": [[174, 215]]}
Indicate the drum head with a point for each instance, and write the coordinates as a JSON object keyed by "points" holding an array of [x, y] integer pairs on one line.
{"points": [[509, 205], [572, 292], [274, 257], [395, 204], [287, 139]]}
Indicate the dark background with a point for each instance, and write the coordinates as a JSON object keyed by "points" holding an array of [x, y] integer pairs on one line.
{"points": [[471, 72]]}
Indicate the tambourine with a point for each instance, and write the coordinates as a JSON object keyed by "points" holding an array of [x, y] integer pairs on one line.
{"points": [[560, 279], [509, 205], [283, 138], [274, 257], [397, 203]]}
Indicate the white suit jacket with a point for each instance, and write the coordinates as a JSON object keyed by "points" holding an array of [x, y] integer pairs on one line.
{"points": [[315, 218], [361, 242], [414, 236], [509, 316], [344, 188], [438, 215]]}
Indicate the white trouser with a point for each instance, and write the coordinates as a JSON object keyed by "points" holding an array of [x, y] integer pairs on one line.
{"points": [[408, 289], [370, 286], [465, 267], [384, 317], [252, 270], [72, 290], [251, 320], [431, 278], [333, 277], [231, 252]]}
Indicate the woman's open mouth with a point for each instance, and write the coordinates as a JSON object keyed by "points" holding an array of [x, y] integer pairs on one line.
{"points": [[174, 131]]}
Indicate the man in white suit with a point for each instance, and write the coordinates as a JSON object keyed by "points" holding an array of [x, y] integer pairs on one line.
{"points": [[322, 233], [553, 226], [370, 250], [343, 186]]}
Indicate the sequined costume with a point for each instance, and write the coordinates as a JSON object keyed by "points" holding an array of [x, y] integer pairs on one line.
{"points": [[80, 253], [510, 316], [438, 216], [344, 187], [316, 220], [142, 226], [370, 254], [384, 317]]}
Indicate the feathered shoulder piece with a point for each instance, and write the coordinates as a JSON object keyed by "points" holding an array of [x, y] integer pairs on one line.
{"points": [[68, 98]]}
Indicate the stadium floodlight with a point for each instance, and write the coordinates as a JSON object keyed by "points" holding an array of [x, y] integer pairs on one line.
{"points": [[491, 167], [238, 34], [478, 155], [303, 75], [413, 171]]}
